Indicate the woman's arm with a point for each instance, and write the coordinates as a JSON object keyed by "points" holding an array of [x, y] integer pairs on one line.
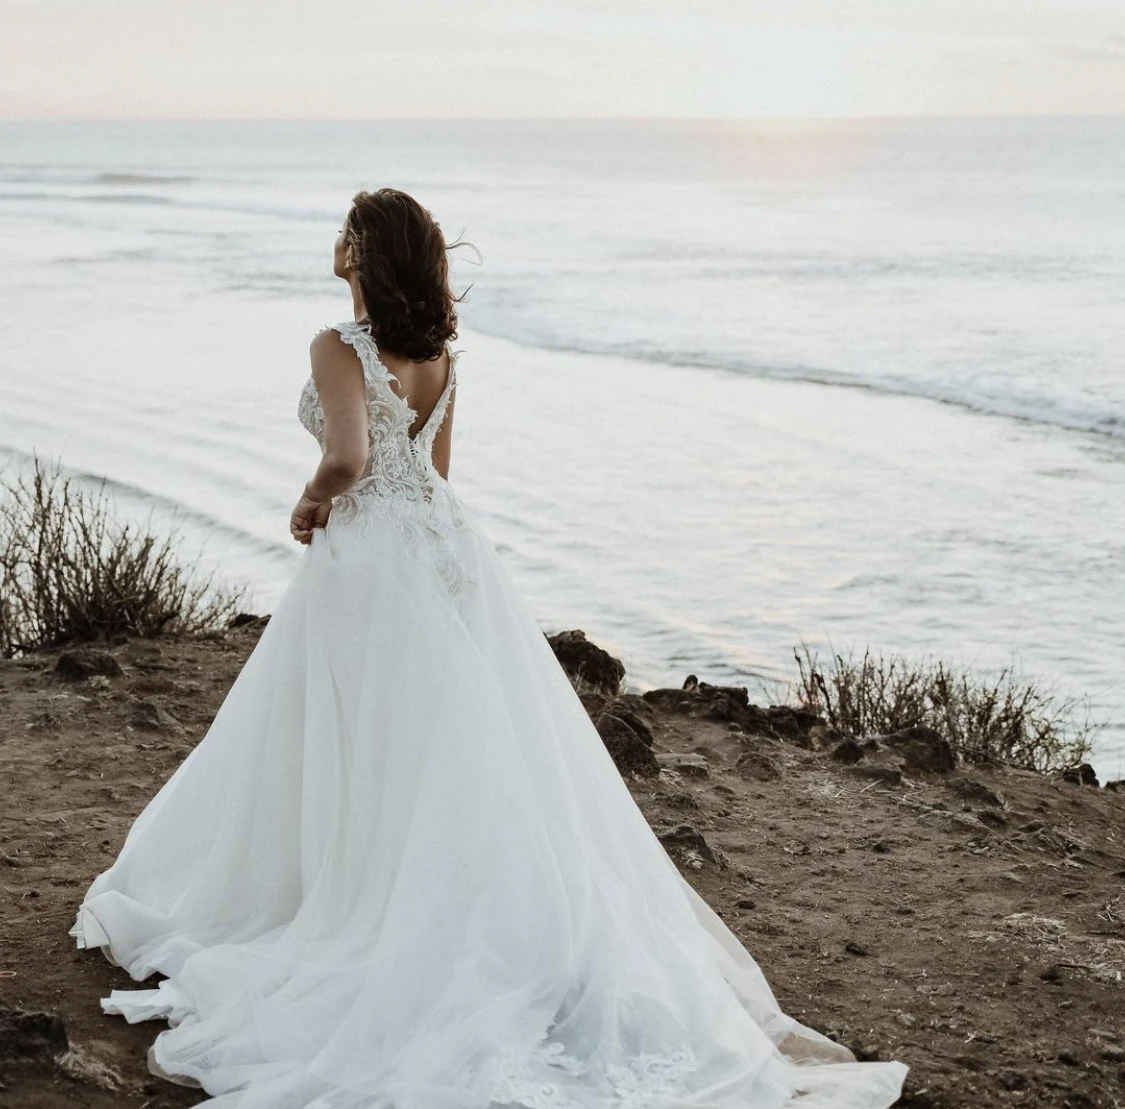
{"points": [[339, 381], [340, 385]]}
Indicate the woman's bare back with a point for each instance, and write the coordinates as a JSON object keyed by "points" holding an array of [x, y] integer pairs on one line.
{"points": [[421, 385]]}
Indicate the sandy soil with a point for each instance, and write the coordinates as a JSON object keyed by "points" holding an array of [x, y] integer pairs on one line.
{"points": [[968, 921]]}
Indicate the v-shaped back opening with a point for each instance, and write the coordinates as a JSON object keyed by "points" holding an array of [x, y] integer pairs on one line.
{"points": [[360, 324], [402, 397]]}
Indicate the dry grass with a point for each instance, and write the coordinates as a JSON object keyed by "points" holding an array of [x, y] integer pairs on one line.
{"points": [[999, 718], [69, 572]]}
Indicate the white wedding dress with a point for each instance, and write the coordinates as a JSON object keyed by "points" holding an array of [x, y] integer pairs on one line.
{"points": [[401, 870]]}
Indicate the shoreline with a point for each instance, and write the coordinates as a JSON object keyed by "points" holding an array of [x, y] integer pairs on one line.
{"points": [[967, 920], [702, 519]]}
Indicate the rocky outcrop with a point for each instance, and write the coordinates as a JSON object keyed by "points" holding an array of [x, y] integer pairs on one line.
{"points": [[248, 620], [629, 740], [586, 664], [688, 847], [731, 704], [85, 662], [1081, 775], [922, 750]]}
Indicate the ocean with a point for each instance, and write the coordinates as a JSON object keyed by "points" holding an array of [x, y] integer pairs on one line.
{"points": [[727, 387]]}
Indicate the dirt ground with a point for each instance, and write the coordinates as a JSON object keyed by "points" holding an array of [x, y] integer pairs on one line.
{"points": [[967, 921]]}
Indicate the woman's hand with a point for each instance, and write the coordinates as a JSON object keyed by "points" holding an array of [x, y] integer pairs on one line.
{"points": [[307, 515]]}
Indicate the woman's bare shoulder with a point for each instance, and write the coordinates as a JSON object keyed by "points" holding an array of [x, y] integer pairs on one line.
{"points": [[327, 339], [333, 358]]}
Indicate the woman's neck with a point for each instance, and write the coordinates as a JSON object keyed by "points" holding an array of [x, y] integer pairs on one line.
{"points": [[359, 310]]}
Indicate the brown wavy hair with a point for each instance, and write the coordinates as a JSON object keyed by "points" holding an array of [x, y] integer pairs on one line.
{"points": [[399, 254]]}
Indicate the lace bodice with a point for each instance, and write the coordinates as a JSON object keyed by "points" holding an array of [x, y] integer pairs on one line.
{"points": [[396, 464], [399, 478]]}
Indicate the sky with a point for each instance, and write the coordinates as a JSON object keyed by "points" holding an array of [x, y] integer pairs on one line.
{"points": [[346, 59]]}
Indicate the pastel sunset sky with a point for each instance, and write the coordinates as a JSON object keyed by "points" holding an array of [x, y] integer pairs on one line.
{"points": [[346, 59]]}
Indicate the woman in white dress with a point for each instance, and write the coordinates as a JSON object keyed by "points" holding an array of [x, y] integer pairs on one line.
{"points": [[401, 870]]}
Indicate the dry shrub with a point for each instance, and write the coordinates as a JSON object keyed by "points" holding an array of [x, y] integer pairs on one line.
{"points": [[999, 718], [69, 572]]}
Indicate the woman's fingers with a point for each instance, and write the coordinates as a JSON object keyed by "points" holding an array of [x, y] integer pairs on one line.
{"points": [[304, 519]]}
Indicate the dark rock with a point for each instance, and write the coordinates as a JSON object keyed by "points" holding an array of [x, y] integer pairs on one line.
{"points": [[726, 704], [75, 666], [691, 699], [30, 1035], [1068, 1057], [631, 750], [620, 707], [847, 751], [684, 841], [247, 619], [1117, 785], [922, 749], [586, 662], [973, 790], [853, 948], [689, 765], [730, 704], [991, 818], [594, 703], [145, 655], [1081, 775], [680, 799], [795, 724], [635, 704], [890, 775], [760, 766], [745, 903]]}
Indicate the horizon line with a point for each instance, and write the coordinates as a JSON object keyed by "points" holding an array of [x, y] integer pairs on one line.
{"points": [[763, 119]]}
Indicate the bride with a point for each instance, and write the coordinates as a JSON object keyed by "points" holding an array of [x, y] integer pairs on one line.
{"points": [[401, 870]]}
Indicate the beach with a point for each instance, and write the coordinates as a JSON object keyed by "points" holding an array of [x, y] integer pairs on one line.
{"points": [[962, 918]]}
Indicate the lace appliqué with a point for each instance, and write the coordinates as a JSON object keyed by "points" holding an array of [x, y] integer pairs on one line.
{"points": [[399, 481], [545, 1080], [430, 527]]}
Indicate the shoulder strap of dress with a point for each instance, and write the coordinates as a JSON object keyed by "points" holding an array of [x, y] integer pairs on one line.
{"points": [[433, 423], [359, 338]]}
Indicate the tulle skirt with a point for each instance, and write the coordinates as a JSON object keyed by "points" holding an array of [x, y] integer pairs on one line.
{"points": [[401, 871]]}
